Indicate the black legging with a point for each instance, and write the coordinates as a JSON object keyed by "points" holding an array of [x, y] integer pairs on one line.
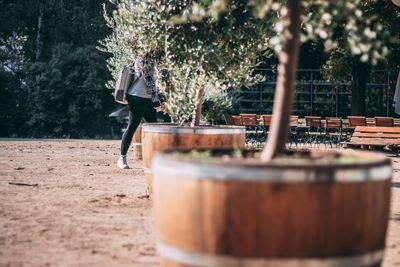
{"points": [[139, 108]]}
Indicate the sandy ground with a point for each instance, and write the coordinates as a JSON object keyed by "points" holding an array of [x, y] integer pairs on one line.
{"points": [[83, 211]]}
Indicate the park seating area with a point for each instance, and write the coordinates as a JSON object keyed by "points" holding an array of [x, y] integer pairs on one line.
{"points": [[333, 131]]}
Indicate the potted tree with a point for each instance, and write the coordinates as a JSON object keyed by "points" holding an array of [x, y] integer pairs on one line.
{"points": [[278, 208], [193, 51]]}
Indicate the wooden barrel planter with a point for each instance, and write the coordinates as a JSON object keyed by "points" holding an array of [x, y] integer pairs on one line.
{"points": [[214, 212], [136, 145], [157, 137]]}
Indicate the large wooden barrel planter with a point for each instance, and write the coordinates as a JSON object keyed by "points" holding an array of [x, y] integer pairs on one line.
{"points": [[217, 212], [157, 137]]}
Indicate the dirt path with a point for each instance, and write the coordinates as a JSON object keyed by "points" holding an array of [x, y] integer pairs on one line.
{"points": [[85, 212]]}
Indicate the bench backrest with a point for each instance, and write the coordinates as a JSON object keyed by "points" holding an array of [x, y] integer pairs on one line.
{"points": [[370, 122], [294, 121], [333, 122], [384, 121], [249, 119], [237, 120], [266, 120], [313, 121], [355, 121]]}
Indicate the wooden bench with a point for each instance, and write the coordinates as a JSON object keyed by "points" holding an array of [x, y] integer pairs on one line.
{"points": [[372, 137]]}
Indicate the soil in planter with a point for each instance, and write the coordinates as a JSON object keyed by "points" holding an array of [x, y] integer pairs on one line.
{"points": [[291, 157]]}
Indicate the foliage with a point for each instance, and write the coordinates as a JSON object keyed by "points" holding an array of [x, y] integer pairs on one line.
{"points": [[181, 102], [362, 30], [70, 32], [227, 46], [67, 96], [12, 111], [328, 21], [339, 66], [217, 102], [385, 19], [13, 97], [223, 34], [181, 99], [354, 25]]}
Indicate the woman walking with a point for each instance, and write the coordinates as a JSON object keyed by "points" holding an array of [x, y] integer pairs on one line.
{"points": [[144, 100]]}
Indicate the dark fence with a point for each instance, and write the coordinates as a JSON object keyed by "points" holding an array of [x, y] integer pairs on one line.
{"points": [[315, 96]]}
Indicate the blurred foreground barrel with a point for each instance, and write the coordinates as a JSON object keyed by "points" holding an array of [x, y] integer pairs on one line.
{"points": [[157, 137], [221, 212]]}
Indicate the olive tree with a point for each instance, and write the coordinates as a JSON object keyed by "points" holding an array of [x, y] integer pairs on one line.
{"points": [[296, 21], [209, 42], [322, 19]]}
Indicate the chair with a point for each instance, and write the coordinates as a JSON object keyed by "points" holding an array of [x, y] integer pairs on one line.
{"points": [[293, 126], [370, 121], [249, 119], [384, 122], [333, 129], [313, 121], [237, 120], [229, 119], [294, 121], [250, 122], [333, 123], [314, 125], [355, 121], [266, 120]]}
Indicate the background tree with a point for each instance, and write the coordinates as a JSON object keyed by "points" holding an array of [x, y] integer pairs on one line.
{"points": [[72, 82], [323, 18], [346, 62], [48, 55], [227, 31]]}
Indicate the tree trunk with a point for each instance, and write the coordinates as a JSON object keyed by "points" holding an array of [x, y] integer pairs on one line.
{"points": [[285, 86], [170, 85], [39, 37], [359, 87], [171, 92], [199, 99]]}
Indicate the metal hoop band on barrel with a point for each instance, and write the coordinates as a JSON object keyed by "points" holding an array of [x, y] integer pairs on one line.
{"points": [[194, 170], [189, 130], [207, 260]]}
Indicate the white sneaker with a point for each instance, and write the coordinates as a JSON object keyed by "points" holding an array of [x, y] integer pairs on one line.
{"points": [[122, 164]]}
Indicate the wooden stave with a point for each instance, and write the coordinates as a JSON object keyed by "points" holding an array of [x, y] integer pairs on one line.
{"points": [[336, 190], [172, 137], [136, 150], [137, 137], [153, 142]]}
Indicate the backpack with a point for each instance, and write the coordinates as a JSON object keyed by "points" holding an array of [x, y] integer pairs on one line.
{"points": [[123, 83]]}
